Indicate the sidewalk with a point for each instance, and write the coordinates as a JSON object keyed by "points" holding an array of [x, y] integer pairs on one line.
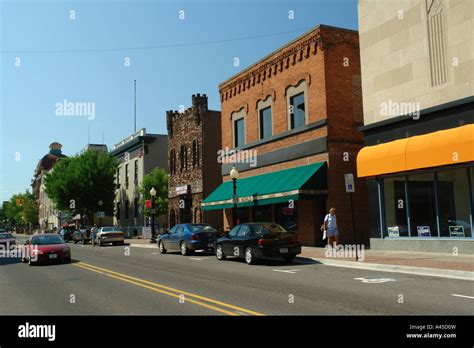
{"points": [[421, 263]]}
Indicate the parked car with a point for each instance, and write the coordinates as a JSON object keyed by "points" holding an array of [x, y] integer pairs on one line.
{"points": [[187, 238], [82, 235], [66, 234], [45, 248], [110, 234], [7, 239], [253, 241]]}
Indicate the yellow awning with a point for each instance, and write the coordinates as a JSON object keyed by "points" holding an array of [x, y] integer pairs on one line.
{"points": [[450, 146]]}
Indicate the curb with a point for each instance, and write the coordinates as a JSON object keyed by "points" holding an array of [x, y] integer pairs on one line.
{"points": [[423, 271]]}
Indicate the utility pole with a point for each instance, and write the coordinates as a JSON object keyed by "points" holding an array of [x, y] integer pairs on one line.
{"points": [[135, 106]]}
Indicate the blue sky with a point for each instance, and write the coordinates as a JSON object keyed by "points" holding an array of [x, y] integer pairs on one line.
{"points": [[80, 60]]}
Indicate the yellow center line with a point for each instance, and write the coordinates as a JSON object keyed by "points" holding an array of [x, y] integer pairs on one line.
{"points": [[154, 286]]}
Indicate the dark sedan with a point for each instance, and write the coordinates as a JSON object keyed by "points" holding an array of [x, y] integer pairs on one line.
{"points": [[66, 234], [7, 239], [187, 238], [45, 248], [253, 241]]}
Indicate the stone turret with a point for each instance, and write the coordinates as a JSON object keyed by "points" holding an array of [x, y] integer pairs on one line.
{"points": [[169, 122], [199, 106]]}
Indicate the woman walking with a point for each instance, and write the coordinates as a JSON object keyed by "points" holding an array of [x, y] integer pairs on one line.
{"points": [[330, 225]]}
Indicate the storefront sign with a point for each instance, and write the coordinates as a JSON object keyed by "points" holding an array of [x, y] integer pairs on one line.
{"points": [[349, 182], [393, 231], [423, 231], [456, 231], [182, 190]]}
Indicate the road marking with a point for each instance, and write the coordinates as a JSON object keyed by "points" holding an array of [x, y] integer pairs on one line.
{"points": [[169, 291], [292, 271], [464, 296], [375, 280], [195, 258]]}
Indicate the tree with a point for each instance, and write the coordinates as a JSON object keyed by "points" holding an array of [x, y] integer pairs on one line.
{"points": [[158, 179], [21, 209], [77, 184]]}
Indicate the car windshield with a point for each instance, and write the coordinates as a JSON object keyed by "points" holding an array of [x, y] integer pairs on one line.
{"points": [[267, 228], [5, 235], [46, 240], [202, 228], [109, 229]]}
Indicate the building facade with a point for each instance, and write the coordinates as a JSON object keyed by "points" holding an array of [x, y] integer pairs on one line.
{"points": [[193, 143], [289, 123], [49, 217], [418, 85], [137, 155]]}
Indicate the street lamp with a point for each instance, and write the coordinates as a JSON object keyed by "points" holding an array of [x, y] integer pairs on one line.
{"points": [[153, 194], [234, 175]]}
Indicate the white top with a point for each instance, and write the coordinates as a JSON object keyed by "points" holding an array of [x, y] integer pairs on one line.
{"points": [[331, 221]]}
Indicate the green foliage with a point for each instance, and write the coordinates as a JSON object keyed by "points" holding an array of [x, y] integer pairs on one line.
{"points": [[158, 179], [25, 213], [77, 184]]}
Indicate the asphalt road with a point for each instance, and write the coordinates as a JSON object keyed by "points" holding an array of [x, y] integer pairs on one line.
{"points": [[132, 280]]}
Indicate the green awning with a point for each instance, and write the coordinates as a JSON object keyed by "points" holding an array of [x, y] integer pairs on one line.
{"points": [[277, 187]]}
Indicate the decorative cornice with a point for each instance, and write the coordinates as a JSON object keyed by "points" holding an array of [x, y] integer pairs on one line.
{"points": [[303, 48]]}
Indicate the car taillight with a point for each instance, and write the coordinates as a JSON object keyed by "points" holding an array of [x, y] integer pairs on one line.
{"points": [[264, 241], [195, 237]]}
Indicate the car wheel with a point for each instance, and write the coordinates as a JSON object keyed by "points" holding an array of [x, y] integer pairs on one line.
{"points": [[161, 247], [183, 248], [100, 242], [75, 241], [220, 253], [83, 241], [249, 256], [289, 259], [30, 263]]}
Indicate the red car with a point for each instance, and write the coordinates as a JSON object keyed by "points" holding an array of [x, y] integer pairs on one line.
{"points": [[46, 248]]}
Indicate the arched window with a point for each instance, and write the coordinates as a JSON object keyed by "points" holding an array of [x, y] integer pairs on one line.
{"points": [[194, 153], [181, 157]]}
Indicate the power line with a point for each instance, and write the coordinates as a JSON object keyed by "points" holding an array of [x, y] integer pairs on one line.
{"points": [[161, 46]]}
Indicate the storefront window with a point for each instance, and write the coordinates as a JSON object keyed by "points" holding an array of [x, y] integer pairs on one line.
{"points": [[421, 199], [262, 213], [453, 198], [242, 215], [395, 208], [286, 216]]}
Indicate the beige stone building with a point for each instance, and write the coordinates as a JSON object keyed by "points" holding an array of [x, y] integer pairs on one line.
{"points": [[137, 155], [417, 62]]}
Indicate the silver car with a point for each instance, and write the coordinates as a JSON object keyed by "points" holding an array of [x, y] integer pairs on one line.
{"points": [[110, 234]]}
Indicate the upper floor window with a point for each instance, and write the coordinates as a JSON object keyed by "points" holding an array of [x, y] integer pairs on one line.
{"points": [[135, 169], [265, 122], [183, 158], [297, 105], [195, 154], [173, 161], [297, 110], [238, 127], [127, 174], [239, 132]]}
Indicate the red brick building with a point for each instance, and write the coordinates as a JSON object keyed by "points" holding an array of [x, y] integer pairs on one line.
{"points": [[193, 140], [299, 106]]}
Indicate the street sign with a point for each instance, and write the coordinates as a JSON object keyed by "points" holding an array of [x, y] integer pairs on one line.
{"points": [[349, 182], [100, 214], [456, 231]]}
